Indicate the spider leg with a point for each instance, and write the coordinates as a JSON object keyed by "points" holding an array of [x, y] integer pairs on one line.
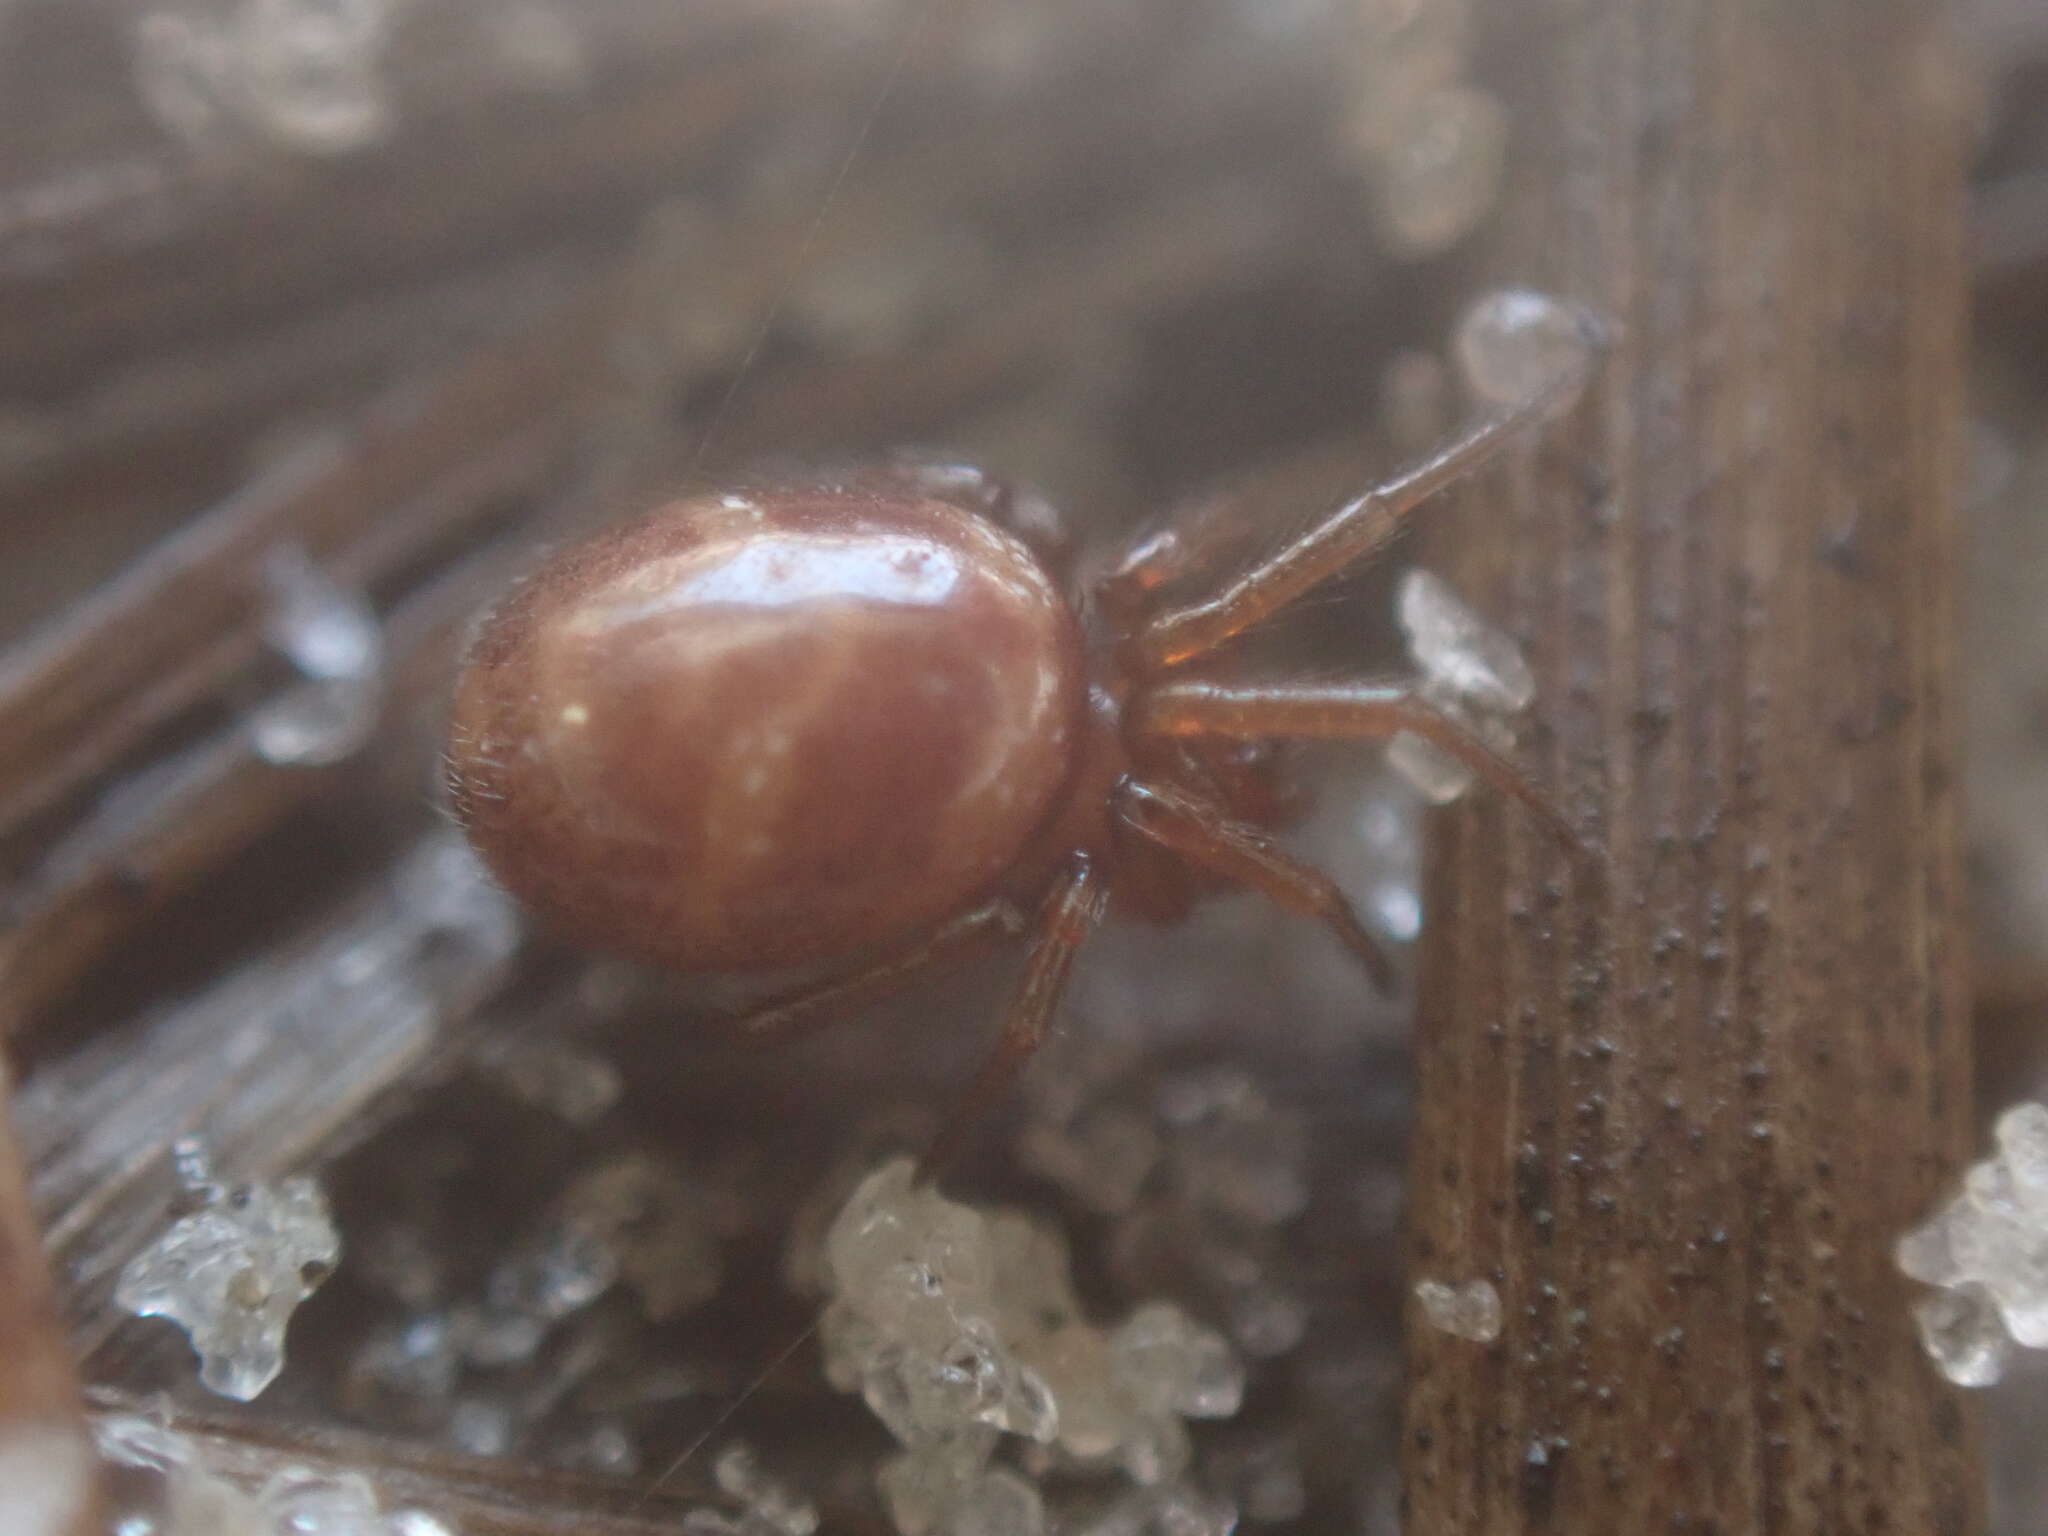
{"points": [[1344, 712], [1071, 910], [812, 1008], [1341, 538], [1204, 834]]}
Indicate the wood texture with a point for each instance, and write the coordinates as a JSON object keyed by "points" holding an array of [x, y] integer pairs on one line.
{"points": [[41, 1422], [1679, 1120], [479, 1495]]}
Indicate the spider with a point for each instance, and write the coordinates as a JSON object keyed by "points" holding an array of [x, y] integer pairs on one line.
{"points": [[855, 725]]}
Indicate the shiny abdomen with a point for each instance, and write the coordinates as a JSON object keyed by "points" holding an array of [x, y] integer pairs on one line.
{"points": [[755, 731]]}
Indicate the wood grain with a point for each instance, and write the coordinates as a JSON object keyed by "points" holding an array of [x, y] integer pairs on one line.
{"points": [[1680, 1118], [41, 1423]]}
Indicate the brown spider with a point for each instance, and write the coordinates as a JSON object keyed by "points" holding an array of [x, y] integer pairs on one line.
{"points": [[853, 725]]}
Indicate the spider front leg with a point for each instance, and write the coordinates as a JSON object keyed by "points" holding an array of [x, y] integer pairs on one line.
{"points": [[1344, 536], [1205, 834], [1343, 712], [1072, 908]]}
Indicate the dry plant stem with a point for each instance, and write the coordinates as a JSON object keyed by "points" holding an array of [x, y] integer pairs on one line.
{"points": [[1160, 254], [99, 262], [162, 251], [38, 1390], [182, 816], [1679, 1121], [481, 1496], [276, 1067], [420, 465]]}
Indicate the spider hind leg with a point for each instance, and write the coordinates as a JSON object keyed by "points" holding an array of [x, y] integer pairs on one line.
{"points": [[1071, 910], [813, 1008]]}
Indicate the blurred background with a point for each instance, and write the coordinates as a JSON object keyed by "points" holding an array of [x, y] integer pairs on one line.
{"points": [[320, 318]]}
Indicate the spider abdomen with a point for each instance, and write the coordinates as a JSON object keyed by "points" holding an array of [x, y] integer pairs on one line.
{"points": [[772, 729]]}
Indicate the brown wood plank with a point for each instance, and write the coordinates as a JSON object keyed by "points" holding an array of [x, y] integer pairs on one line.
{"points": [[1679, 1120]]}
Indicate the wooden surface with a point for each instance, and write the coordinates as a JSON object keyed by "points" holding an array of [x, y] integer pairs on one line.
{"points": [[41, 1423], [1680, 1120]]}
